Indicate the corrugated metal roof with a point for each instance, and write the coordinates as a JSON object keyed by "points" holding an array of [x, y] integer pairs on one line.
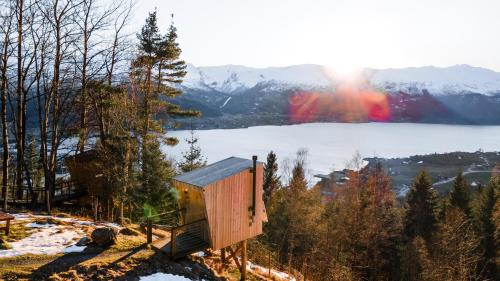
{"points": [[215, 171]]}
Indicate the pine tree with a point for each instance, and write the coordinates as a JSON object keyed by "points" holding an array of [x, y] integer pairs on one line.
{"points": [[460, 194], [298, 182], [271, 178], [421, 209], [454, 250], [155, 193], [496, 220], [486, 226], [156, 72], [293, 212], [33, 162], [416, 262], [193, 158]]}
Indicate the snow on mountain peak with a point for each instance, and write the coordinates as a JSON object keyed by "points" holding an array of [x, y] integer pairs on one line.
{"points": [[231, 78], [436, 80]]}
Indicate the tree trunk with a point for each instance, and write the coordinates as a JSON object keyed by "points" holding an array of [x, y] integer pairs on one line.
{"points": [[4, 87], [20, 95], [125, 179], [5, 131]]}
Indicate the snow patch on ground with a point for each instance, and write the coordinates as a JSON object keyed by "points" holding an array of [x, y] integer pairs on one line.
{"points": [[276, 275], [26, 216], [51, 239], [163, 276], [199, 254]]}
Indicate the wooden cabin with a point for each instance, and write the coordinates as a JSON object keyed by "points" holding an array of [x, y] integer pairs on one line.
{"points": [[228, 195], [86, 171]]}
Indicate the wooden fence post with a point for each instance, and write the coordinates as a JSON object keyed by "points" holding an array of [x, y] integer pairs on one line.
{"points": [[7, 227], [150, 231], [173, 241]]}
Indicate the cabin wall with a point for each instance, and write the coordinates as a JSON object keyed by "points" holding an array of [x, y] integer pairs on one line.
{"points": [[228, 202], [191, 200]]}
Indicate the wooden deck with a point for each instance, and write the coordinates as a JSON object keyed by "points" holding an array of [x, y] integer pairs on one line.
{"points": [[186, 244], [184, 240]]}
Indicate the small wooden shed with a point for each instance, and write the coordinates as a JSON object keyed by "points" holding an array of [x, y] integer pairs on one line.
{"points": [[228, 195]]}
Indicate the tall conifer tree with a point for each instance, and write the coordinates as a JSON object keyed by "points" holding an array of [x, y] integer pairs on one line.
{"points": [[486, 226], [271, 178], [193, 158], [156, 73], [460, 195], [421, 209]]}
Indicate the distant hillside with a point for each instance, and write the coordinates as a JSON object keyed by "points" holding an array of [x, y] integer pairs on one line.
{"points": [[238, 96]]}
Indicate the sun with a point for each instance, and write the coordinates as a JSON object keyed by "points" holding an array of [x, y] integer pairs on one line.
{"points": [[342, 71]]}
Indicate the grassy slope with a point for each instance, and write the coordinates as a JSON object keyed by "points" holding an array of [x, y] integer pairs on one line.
{"points": [[128, 259]]}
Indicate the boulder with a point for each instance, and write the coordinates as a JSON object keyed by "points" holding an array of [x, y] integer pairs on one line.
{"points": [[129, 232], [104, 237], [83, 242]]}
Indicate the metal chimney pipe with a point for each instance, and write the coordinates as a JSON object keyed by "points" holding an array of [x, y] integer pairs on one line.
{"points": [[254, 183]]}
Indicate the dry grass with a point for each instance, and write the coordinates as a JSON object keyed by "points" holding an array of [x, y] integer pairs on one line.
{"points": [[127, 243], [126, 260], [18, 231], [4, 245]]}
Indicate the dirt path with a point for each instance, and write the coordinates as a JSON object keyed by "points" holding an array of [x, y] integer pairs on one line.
{"points": [[469, 171]]}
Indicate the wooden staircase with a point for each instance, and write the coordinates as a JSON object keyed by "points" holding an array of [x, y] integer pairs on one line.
{"points": [[184, 240]]}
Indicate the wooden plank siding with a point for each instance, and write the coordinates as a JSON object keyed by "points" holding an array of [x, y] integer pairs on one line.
{"points": [[227, 208], [190, 201]]}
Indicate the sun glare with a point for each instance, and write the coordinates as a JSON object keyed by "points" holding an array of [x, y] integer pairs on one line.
{"points": [[344, 72]]}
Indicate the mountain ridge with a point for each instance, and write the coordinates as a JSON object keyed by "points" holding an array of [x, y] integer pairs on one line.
{"points": [[231, 79]]}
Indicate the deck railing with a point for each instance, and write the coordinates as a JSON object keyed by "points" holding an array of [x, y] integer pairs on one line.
{"points": [[63, 191], [184, 238], [192, 233]]}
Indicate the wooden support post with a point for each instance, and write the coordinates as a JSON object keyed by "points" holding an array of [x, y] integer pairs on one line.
{"points": [[149, 231], [269, 273], [232, 254], [173, 241], [223, 256], [243, 268], [7, 228]]}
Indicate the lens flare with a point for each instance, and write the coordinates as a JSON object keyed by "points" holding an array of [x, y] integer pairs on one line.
{"points": [[347, 104], [376, 106]]}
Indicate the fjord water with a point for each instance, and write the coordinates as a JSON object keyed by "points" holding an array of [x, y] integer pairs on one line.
{"points": [[332, 145]]}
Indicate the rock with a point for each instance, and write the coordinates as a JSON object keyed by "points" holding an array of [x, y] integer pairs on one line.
{"points": [[63, 215], [126, 221], [129, 232], [48, 221], [104, 237], [83, 242]]}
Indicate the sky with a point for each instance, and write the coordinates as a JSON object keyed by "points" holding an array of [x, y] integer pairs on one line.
{"points": [[342, 34]]}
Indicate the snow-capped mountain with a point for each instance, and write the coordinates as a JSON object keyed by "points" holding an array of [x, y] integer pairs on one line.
{"points": [[436, 80], [235, 78], [234, 96]]}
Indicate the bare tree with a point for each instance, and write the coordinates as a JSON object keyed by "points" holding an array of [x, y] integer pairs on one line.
{"points": [[118, 50], [6, 52], [59, 15], [93, 22]]}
